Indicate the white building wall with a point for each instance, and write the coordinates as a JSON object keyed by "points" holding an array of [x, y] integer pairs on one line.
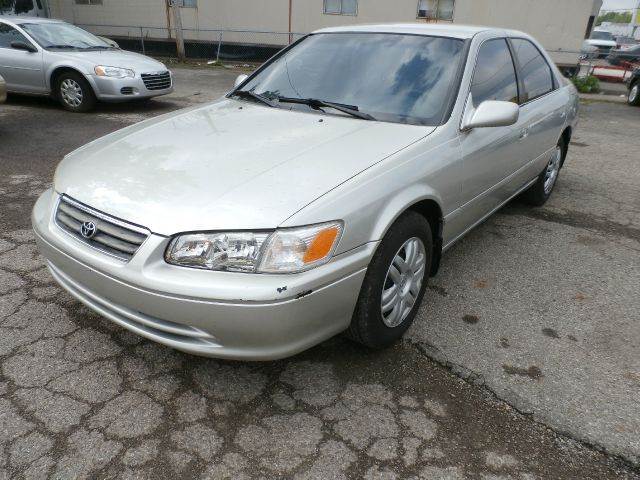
{"points": [[112, 12], [308, 14], [558, 24]]}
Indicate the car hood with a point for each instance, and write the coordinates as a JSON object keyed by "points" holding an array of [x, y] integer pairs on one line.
{"points": [[227, 165], [114, 58]]}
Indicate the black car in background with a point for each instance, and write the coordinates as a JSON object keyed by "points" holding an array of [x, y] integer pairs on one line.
{"points": [[634, 88], [632, 54]]}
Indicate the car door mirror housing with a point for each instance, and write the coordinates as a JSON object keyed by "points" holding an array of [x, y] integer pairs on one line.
{"points": [[493, 113], [23, 46], [240, 80]]}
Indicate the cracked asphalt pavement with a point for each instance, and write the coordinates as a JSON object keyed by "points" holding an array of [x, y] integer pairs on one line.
{"points": [[523, 363]]}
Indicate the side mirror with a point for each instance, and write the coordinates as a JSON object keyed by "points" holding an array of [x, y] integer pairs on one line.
{"points": [[23, 46], [240, 80], [492, 113]]}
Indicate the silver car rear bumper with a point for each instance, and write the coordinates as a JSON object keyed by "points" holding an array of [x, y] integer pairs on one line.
{"points": [[216, 314]]}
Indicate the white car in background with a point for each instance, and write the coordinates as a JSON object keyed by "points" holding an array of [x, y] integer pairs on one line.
{"points": [[50, 57], [603, 41]]}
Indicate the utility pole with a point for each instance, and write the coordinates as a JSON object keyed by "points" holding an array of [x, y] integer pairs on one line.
{"points": [[290, 20], [177, 25]]}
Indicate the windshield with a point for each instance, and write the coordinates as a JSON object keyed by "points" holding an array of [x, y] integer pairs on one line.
{"points": [[602, 36], [391, 77], [63, 35]]}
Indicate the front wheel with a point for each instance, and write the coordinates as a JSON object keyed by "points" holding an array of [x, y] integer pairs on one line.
{"points": [[394, 284], [74, 92], [540, 191], [634, 95]]}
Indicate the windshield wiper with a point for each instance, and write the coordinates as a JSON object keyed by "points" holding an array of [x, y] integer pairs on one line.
{"points": [[62, 46], [318, 104], [255, 96]]}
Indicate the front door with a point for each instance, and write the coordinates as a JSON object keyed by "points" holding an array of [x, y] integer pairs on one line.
{"points": [[23, 71], [490, 155]]}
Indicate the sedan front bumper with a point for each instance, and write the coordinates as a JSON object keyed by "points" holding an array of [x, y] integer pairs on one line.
{"points": [[108, 89], [217, 314]]}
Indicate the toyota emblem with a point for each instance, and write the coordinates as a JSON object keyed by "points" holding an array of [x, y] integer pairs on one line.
{"points": [[88, 230]]}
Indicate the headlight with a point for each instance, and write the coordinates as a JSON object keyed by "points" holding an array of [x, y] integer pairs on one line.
{"points": [[115, 72], [288, 250]]}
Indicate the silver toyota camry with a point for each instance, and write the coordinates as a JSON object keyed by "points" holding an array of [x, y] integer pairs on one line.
{"points": [[50, 57], [317, 197]]}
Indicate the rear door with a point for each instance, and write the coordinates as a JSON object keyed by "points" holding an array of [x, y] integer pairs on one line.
{"points": [[543, 109], [23, 71]]}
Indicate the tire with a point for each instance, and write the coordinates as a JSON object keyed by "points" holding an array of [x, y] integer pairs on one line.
{"points": [[539, 192], [74, 92], [372, 327], [634, 95]]}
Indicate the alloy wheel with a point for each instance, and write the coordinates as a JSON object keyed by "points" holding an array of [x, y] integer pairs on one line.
{"points": [[633, 94], [553, 168], [403, 282], [71, 92]]}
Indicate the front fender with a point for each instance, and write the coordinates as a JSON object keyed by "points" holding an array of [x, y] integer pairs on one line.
{"points": [[78, 67], [400, 203], [371, 202]]}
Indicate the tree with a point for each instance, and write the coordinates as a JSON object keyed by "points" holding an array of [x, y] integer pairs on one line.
{"points": [[6, 4], [615, 17]]}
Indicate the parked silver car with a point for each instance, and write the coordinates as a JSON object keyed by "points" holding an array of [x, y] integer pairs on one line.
{"points": [[316, 197], [50, 57]]}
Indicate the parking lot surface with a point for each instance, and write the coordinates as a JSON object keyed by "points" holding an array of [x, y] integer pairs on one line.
{"points": [[537, 309]]}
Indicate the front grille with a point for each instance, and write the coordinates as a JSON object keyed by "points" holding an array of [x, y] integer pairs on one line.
{"points": [[126, 90], [101, 231], [156, 81]]}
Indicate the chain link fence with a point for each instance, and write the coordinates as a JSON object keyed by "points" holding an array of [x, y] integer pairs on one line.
{"points": [[217, 45], [234, 47]]}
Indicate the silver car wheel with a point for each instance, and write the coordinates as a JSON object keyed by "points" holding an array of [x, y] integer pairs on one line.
{"points": [[403, 282], [71, 92], [633, 94], [553, 168]]}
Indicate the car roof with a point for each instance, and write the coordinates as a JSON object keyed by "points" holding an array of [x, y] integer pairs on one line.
{"points": [[18, 20], [440, 30]]}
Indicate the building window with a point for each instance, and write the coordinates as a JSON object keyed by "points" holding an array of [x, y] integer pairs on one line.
{"points": [[436, 10], [188, 3], [341, 7], [88, 2]]}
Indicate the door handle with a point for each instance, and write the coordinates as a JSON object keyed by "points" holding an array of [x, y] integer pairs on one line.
{"points": [[524, 133]]}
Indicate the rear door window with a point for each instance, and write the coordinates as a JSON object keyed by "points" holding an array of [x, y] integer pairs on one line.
{"points": [[495, 75], [536, 73]]}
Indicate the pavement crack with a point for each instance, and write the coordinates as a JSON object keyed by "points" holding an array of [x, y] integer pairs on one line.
{"points": [[583, 220], [475, 378]]}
